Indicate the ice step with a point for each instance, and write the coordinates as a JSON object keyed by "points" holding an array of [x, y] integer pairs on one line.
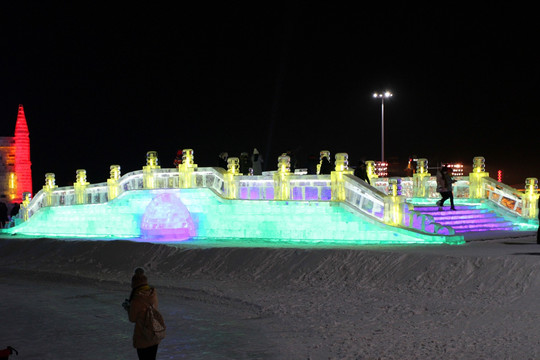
{"points": [[467, 218]]}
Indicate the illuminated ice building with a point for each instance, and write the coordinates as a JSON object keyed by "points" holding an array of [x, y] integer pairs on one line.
{"points": [[208, 206], [15, 165]]}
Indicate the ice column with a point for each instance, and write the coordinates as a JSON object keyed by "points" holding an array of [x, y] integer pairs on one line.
{"points": [[80, 186], [282, 189], [48, 189], [370, 169], [336, 177], [393, 203], [112, 182], [476, 178], [420, 178], [149, 174], [530, 199], [233, 170], [186, 169], [26, 198]]}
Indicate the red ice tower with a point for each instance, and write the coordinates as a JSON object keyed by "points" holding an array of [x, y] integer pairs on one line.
{"points": [[22, 156]]}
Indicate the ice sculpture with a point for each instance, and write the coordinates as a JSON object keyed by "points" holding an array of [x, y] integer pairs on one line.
{"points": [[166, 217], [419, 179], [186, 169], [49, 187], [80, 186], [112, 182], [281, 178], [370, 169], [149, 177], [475, 178], [233, 170], [530, 199], [336, 177]]}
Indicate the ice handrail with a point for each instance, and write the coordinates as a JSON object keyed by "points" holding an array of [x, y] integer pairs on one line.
{"points": [[365, 198]]}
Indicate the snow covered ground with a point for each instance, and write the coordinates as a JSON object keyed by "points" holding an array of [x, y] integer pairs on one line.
{"points": [[481, 300]]}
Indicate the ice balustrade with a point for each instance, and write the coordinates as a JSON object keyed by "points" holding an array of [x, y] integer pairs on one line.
{"points": [[366, 199], [460, 187], [503, 196]]}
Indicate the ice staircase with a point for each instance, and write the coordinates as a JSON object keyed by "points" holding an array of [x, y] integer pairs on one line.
{"points": [[468, 218]]}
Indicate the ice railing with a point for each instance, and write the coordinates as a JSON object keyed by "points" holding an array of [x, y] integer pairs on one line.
{"points": [[302, 187], [498, 193], [503, 196], [369, 200]]}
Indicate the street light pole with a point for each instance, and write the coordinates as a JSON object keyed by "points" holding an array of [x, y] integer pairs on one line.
{"points": [[382, 96]]}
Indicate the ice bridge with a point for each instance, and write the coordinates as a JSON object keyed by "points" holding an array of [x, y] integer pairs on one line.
{"points": [[224, 208]]}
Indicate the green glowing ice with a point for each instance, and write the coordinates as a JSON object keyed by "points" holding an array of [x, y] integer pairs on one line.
{"points": [[220, 221]]}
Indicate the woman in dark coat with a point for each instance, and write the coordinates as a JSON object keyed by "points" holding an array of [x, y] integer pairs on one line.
{"points": [[142, 295]]}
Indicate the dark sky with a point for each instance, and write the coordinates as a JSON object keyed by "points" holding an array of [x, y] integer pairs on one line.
{"points": [[104, 84]]}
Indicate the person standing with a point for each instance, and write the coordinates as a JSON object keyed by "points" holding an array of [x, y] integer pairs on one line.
{"points": [[361, 172], [256, 161], [326, 167], [222, 160], [3, 214], [444, 187], [142, 296]]}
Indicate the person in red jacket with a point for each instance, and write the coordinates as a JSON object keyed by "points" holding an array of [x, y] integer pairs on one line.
{"points": [[142, 296]]}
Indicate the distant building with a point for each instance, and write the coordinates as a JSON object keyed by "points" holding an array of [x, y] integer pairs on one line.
{"points": [[15, 165], [457, 169]]}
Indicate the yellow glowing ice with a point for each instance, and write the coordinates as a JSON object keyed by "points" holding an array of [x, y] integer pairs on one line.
{"points": [[49, 187], [149, 179], [112, 182], [530, 199], [233, 170], [337, 184], [80, 186], [420, 178], [186, 169], [476, 178], [282, 189]]}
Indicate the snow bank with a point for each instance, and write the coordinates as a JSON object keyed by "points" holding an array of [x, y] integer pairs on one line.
{"points": [[472, 301]]}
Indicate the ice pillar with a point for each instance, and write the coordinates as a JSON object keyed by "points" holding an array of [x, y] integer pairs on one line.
{"points": [[112, 182], [149, 174], [80, 186], [282, 189], [419, 179], [393, 203], [476, 178], [337, 182], [370, 170], [530, 199], [26, 198], [233, 170], [186, 169], [48, 189]]}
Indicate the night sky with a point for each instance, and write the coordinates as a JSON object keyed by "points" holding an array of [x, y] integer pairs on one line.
{"points": [[104, 84]]}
